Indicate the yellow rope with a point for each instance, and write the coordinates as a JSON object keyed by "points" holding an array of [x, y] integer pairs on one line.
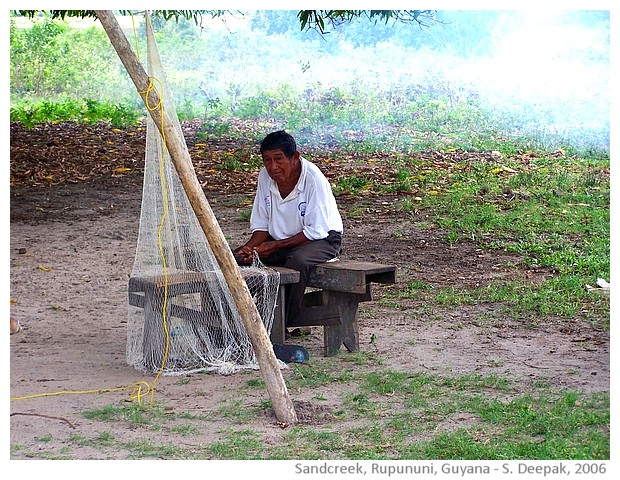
{"points": [[162, 175], [137, 392], [164, 186], [135, 35]]}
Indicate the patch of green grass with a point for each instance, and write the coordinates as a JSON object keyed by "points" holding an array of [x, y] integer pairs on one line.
{"points": [[354, 212], [557, 220], [412, 287], [312, 376], [87, 111], [417, 416], [131, 413], [153, 417], [563, 296], [245, 214], [554, 212], [384, 414], [185, 429], [236, 410], [145, 449], [404, 181], [352, 185], [239, 444], [104, 439], [528, 427], [315, 444], [409, 204], [239, 160], [360, 405], [256, 383]]}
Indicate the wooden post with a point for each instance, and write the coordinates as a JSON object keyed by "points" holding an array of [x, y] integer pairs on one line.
{"points": [[270, 371]]}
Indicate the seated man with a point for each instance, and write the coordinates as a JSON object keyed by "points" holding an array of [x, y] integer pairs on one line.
{"points": [[295, 221]]}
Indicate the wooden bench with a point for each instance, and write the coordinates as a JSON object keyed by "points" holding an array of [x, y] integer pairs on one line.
{"points": [[336, 289], [148, 293], [339, 286]]}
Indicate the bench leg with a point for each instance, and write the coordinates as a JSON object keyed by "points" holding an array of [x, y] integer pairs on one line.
{"points": [[153, 337], [347, 332], [277, 334]]}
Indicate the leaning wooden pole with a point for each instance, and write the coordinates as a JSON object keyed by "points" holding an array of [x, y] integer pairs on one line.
{"points": [[269, 368]]}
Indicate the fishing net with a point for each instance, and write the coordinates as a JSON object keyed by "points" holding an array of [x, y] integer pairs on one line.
{"points": [[182, 317]]}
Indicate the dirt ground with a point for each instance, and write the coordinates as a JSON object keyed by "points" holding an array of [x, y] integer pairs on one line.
{"points": [[72, 245]]}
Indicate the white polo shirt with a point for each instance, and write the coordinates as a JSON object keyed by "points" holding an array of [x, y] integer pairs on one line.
{"points": [[310, 208]]}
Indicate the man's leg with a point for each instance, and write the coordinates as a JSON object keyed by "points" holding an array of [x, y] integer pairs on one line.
{"points": [[303, 259]]}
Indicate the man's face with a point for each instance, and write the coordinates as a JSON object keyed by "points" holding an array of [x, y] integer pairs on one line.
{"points": [[280, 167]]}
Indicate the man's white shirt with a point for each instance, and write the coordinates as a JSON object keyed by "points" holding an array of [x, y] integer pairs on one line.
{"points": [[310, 208]]}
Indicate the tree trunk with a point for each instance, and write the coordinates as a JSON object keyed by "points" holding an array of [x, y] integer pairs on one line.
{"points": [[269, 368]]}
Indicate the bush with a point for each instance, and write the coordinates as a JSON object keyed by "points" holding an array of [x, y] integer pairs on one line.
{"points": [[85, 111]]}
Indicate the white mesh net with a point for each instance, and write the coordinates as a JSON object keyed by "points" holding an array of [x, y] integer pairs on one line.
{"points": [[182, 317]]}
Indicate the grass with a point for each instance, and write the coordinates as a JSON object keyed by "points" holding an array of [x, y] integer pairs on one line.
{"points": [[383, 414], [563, 297], [87, 111], [553, 212]]}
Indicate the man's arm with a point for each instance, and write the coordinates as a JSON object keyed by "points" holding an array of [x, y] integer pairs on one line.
{"points": [[270, 246], [245, 253], [260, 244]]}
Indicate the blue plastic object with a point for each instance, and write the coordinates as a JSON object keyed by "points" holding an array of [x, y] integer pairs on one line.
{"points": [[291, 353]]}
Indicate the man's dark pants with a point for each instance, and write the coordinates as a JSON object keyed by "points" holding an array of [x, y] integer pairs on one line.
{"points": [[303, 259]]}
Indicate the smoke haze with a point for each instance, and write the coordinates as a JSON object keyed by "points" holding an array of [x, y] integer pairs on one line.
{"points": [[545, 72]]}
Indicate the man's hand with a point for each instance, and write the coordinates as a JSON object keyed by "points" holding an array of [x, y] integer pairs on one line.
{"points": [[244, 255]]}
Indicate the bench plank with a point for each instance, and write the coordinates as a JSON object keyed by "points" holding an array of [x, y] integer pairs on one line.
{"points": [[350, 275], [182, 282]]}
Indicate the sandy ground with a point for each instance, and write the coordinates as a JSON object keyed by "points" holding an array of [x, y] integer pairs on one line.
{"points": [[71, 254]]}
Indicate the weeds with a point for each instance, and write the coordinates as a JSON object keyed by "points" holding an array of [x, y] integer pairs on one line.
{"points": [[84, 111], [397, 415]]}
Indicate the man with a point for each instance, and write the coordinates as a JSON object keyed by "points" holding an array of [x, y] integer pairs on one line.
{"points": [[295, 220]]}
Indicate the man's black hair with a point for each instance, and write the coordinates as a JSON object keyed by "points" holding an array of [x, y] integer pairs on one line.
{"points": [[279, 140]]}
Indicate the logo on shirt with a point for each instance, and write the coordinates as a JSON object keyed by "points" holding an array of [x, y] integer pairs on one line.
{"points": [[302, 208], [268, 201]]}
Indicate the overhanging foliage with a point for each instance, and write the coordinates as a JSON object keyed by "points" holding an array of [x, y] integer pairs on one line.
{"points": [[309, 19]]}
